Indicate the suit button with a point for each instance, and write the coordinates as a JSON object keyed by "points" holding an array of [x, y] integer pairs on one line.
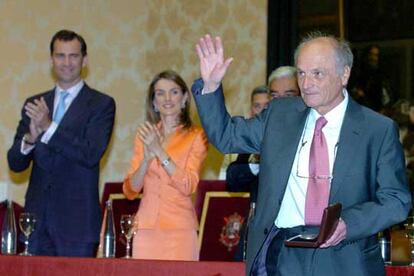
{"points": [[265, 231]]}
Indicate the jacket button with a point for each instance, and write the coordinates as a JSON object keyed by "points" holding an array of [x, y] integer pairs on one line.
{"points": [[265, 231]]}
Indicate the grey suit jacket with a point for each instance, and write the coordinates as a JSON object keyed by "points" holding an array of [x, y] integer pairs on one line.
{"points": [[368, 175]]}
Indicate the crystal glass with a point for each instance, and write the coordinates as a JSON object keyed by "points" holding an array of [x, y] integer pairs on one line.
{"points": [[27, 222], [409, 230], [127, 229]]}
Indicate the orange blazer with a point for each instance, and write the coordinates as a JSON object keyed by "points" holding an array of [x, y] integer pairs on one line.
{"points": [[167, 201]]}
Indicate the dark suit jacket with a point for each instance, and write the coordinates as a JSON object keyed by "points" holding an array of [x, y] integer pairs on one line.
{"points": [[368, 175], [239, 177], [65, 172]]}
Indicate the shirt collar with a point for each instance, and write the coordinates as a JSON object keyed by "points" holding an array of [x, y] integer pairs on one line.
{"points": [[334, 116], [73, 91]]}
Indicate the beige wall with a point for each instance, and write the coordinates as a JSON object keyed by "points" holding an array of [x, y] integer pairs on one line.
{"points": [[128, 41]]}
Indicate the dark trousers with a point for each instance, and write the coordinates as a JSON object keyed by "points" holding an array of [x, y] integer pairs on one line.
{"points": [[48, 244], [47, 240], [267, 261]]}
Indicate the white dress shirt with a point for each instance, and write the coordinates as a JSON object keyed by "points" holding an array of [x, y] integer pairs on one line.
{"points": [[292, 209], [72, 93]]}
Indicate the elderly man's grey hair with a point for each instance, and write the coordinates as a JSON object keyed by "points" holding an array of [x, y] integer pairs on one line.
{"points": [[282, 72], [344, 56]]}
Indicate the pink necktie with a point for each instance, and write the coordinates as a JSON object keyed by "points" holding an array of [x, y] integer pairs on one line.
{"points": [[317, 194]]}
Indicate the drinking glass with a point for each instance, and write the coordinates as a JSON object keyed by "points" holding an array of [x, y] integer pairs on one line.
{"points": [[127, 229], [27, 222], [409, 231]]}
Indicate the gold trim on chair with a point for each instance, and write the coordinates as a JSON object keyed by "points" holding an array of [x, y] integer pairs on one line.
{"points": [[121, 196], [207, 197]]}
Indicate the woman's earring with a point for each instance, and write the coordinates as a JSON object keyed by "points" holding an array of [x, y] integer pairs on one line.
{"points": [[182, 105], [156, 108]]}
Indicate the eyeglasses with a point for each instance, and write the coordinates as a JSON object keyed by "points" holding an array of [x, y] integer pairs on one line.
{"points": [[316, 177]]}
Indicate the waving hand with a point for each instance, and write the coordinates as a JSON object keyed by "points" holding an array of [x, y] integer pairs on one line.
{"points": [[213, 66]]}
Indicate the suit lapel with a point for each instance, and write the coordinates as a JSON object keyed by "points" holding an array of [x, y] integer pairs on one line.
{"points": [[282, 157], [78, 106], [49, 98], [348, 145], [292, 142]]}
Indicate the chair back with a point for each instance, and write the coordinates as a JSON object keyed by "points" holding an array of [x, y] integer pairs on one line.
{"points": [[223, 216], [205, 186]]}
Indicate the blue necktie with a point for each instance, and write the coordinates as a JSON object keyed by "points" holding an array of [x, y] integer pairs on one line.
{"points": [[60, 109]]}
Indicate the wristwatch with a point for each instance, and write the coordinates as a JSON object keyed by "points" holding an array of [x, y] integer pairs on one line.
{"points": [[165, 162]]}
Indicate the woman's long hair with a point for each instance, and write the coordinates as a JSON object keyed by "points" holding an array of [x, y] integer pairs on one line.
{"points": [[154, 116]]}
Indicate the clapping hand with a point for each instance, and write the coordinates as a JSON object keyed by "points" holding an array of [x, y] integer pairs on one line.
{"points": [[152, 139], [213, 66], [38, 112], [35, 131]]}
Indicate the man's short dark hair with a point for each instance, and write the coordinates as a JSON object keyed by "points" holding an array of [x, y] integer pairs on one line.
{"points": [[262, 89], [68, 35]]}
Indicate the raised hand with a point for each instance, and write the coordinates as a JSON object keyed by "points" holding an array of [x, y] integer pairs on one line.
{"points": [[148, 154], [213, 66], [35, 131], [150, 136], [38, 112]]}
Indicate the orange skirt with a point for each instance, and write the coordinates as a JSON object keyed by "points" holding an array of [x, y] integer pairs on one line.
{"points": [[162, 244]]}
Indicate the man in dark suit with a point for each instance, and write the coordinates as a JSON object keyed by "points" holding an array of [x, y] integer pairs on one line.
{"points": [[366, 173], [64, 133]]}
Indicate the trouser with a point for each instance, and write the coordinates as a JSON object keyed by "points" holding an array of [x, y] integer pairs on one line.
{"points": [[266, 262]]}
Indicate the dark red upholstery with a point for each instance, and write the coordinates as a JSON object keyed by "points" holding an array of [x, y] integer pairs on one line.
{"points": [[203, 187], [110, 188], [123, 206], [222, 217], [120, 206], [64, 266]]}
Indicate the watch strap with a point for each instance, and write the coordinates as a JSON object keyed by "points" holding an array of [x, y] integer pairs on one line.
{"points": [[165, 162]]}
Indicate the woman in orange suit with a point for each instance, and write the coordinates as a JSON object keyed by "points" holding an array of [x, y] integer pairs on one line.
{"points": [[169, 152]]}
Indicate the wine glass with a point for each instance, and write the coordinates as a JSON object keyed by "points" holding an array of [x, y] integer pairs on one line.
{"points": [[27, 222], [409, 231], [127, 229]]}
